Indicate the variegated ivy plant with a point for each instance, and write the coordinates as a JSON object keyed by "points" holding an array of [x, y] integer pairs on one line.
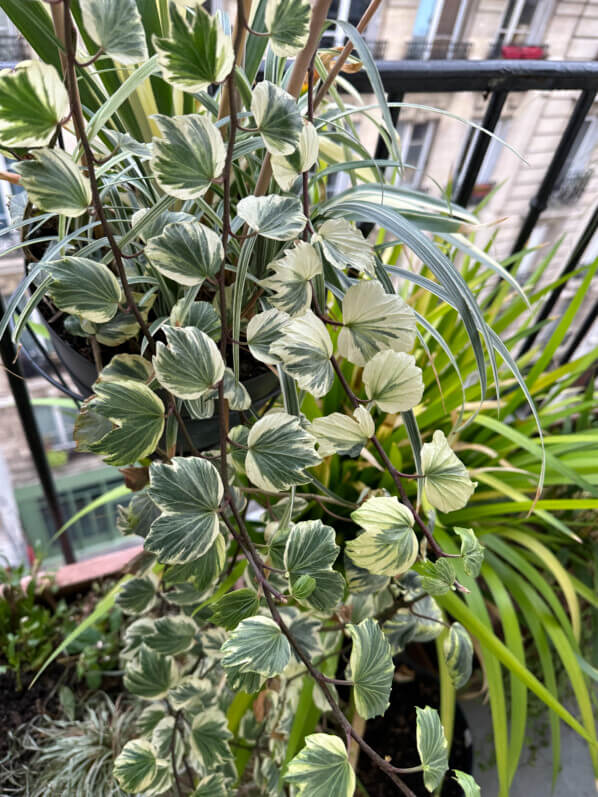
{"points": [[214, 243]]}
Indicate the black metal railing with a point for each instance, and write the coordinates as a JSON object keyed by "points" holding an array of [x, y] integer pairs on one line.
{"points": [[438, 49], [570, 188], [13, 48]]}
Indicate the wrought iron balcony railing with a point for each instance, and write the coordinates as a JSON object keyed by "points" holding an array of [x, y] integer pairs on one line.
{"points": [[570, 188], [12, 48], [437, 50]]}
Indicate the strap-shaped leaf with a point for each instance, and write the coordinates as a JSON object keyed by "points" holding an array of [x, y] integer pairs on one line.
{"points": [[195, 55], [371, 668], [290, 280], [393, 381], [277, 116], [305, 349], [135, 767], [209, 738], [279, 451], [345, 246], [472, 551], [150, 675], [189, 155], [136, 596], [172, 635], [263, 330], [257, 645], [116, 27], [447, 485], [187, 252], [458, 653], [287, 22], [311, 551], [438, 577], [33, 102], [55, 183], [234, 607], [278, 217], [322, 768], [286, 168], [85, 288], [389, 546], [432, 746], [341, 434], [191, 364], [467, 783], [374, 321]]}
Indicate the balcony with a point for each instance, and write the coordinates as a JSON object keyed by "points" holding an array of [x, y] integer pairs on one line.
{"points": [[570, 188], [518, 52], [12, 48], [438, 50]]}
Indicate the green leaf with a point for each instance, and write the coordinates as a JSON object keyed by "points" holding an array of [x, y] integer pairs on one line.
{"points": [[432, 747], [149, 718], [138, 595], [311, 551], [322, 768], [279, 451], [199, 314], [389, 546], [345, 246], [202, 571], [150, 675], [54, 183], [287, 168], [195, 55], [458, 654], [234, 607], [305, 349], [128, 366], [370, 668], [124, 325], [447, 485], [472, 551], [400, 630], [287, 22], [209, 738], [33, 102], [277, 217], [290, 280], [277, 116], [173, 635], [187, 252], [137, 516], [190, 365], [393, 381], [116, 27], [189, 155], [341, 434], [438, 577], [212, 786], [85, 288], [257, 645], [467, 783], [191, 692], [303, 587], [135, 767], [374, 321], [263, 331], [188, 492]]}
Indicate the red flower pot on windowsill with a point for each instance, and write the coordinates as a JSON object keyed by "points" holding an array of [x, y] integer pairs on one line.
{"points": [[525, 51]]}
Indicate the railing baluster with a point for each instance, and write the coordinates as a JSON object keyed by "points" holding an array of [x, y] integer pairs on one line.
{"points": [[583, 330]]}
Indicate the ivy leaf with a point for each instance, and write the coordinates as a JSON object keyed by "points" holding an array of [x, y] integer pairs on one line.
{"points": [[345, 246], [209, 738], [279, 451], [55, 183], [263, 330], [287, 168], [33, 102], [135, 767], [447, 485], [311, 551], [340, 434], [393, 381], [85, 288], [191, 364], [189, 155], [322, 768], [191, 692], [305, 349], [202, 571], [116, 27], [187, 252], [277, 117], [389, 546], [370, 668], [287, 22], [212, 786], [136, 596], [195, 55], [173, 635], [137, 516], [472, 551], [257, 645], [374, 321], [234, 607], [458, 653], [277, 217], [432, 747], [150, 675], [199, 314], [188, 492], [438, 577], [290, 280], [467, 783]]}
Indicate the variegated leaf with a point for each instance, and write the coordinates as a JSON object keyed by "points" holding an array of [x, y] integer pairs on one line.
{"points": [[467, 783], [135, 766], [123, 326], [149, 718], [447, 485], [305, 631], [155, 224], [128, 366], [290, 280], [172, 635], [432, 746], [311, 551], [202, 571], [84, 288], [55, 183], [212, 786], [322, 768], [191, 365], [199, 314], [305, 349], [277, 217], [209, 738], [287, 22], [370, 668], [137, 516], [400, 630], [257, 645], [163, 779], [116, 27], [438, 577], [458, 653], [235, 392], [393, 381], [229, 610], [472, 551], [277, 117], [191, 692], [345, 247], [389, 546], [361, 581], [150, 675], [341, 434], [187, 252], [287, 168], [263, 330], [136, 596]]}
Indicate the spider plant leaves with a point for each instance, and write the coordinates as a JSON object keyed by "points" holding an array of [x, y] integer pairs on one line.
{"points": [[290, 278], [277, 117], [257, 645], [187, 252], [447, 485], [304, 350], [279, 451], [190, 365], [33, 102], [234, 607], [438, 577], [195, 54], [55, 183], [432, 747], [277, 217], [287, 22], [458, 654], [322, 768], [263, 330], [188, 492], [116, 27], [467, 783], [472, 551], [344, 246], [137, 596], [388, 546], [310, 550], [150, 675], [85, 288], [209, 738], [172, 635], [393, 381], [286, 168], [370, 668], [338, 433], [135, 766], [189, 155], [373, 321]]}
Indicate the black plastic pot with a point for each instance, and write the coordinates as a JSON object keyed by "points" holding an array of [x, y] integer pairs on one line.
{"points": [[82, 372]]}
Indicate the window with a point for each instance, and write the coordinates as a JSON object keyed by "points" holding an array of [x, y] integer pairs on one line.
{"points": [[351, 11], [437, 30], [575, 174], [56, 427], [485, 178], [416, 141], [523, 22]]}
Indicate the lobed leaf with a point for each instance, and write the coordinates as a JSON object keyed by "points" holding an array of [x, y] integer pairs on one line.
{"points": [[393, 381], [257, 645], [116, 27]]}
